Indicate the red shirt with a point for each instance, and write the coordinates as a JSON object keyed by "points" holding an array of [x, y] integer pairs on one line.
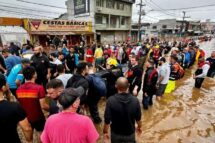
{"points": [[202, 54], [128, 51], [28, 96], [89, 59], [107, 53]]}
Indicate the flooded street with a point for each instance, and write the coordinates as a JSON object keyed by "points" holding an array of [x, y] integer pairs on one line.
{"points": [[61, 59], [185, 116]]}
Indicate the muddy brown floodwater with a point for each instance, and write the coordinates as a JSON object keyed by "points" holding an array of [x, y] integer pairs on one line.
{"points": [[185, 116]]}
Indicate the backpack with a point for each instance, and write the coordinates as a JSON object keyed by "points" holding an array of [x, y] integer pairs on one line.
{"points": [[98, 84], [180, 71], [153, 73]]}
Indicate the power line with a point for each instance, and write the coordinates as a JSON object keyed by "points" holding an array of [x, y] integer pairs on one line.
{"points": [[17, 12], [163, 10], [152, 17], [21, 6], [192, 7], [152, 7], [53, 6], [29, 9], [206, 10]]}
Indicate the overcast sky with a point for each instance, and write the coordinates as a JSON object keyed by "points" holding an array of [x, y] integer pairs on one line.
{"points": [[194, 14], [9, 8]]}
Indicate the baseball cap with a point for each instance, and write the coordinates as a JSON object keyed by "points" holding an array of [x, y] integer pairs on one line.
{"points": [[69, 96], [2, 80], [162, 59]]}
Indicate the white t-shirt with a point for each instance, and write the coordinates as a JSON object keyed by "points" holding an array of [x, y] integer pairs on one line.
{"points": [[120, 53], [164, 71], [56, 62], [64, 78], [205, 69]]}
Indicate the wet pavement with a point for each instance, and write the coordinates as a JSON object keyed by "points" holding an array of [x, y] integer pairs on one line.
{"points": [[185, 116]]}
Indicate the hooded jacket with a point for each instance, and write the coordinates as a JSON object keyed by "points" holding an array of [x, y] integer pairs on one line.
{"points": [[122, 110], [150, 80], [76, 81]]}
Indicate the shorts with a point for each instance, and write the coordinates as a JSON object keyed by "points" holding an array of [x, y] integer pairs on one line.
{"points": [[13, 91], [99, 61], [161, 89], [122, 139], [38, 125]]}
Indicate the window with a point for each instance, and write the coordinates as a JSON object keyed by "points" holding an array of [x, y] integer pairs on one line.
{"points": [[107, 20], [164, 26], [100, 3], [98, 19], [127, 7], [113, 21], [110, 4], [154, 27], [119, 6], [122, 20]]}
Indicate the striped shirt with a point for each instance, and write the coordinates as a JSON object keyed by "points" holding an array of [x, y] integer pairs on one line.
{"points": [[29, 95]]}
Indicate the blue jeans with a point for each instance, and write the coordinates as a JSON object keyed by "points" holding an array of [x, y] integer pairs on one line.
{"points": [[147, 100]]}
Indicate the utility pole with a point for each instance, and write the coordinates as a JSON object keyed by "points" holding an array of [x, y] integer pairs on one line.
{"points": [[140, 17], [182, 25]]}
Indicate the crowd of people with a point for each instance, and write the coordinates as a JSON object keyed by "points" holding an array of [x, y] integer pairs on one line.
{"points": [[66, 81]]}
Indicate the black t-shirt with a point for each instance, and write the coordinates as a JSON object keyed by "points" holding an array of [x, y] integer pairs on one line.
{"points": [[49, 41], [10, 115], [76, 49], [93, 48], [53, 108], [70, 62], [212, 64], [41, 65], [111, 77], [122, 110], [56, 41], [81, 53], [76, 81], [135, 77], [64, 41], [2, 63], [150, 80]]}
